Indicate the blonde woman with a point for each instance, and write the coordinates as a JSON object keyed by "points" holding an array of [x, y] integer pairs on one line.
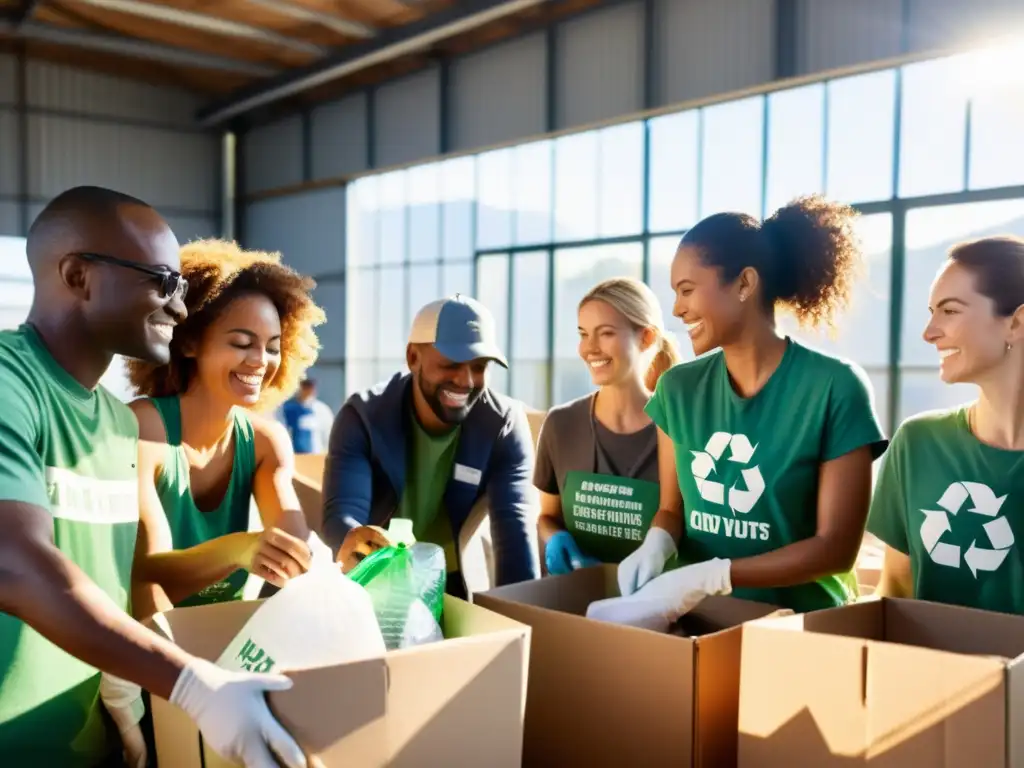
{"points": [[597, 456]]}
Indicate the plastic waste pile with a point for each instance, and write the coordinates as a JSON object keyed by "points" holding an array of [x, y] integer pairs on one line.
{"points": [[406, 584]]}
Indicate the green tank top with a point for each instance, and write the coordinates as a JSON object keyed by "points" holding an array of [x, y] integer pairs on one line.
{"points": [[191, 526]]}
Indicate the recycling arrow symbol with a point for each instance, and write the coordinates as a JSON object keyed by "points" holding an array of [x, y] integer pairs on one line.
{"points": [[983, 502], [741, 500]]}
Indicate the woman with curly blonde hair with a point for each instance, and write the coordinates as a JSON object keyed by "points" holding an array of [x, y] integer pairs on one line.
{"points": [[207, 449]]}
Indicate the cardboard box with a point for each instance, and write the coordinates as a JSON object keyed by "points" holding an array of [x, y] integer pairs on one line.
{"points": [[869, 564], [308, 484], [445, 703], [883, 683], [605, 694]]}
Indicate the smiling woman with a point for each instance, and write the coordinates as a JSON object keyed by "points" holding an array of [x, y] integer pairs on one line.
{"points": [[206, 449], [969, 458]]}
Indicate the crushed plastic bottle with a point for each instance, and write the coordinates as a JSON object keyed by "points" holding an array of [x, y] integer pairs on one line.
{"points": [[406, 584]]}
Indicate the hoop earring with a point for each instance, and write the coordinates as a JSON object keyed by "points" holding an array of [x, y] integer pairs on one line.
{"points": [[1009, 346]]}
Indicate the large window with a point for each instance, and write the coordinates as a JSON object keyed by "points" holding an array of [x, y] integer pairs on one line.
{"points": [[930, 151], [410, 241]]}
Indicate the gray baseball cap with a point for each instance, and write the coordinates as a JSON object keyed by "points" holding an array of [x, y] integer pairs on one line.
{"points": [[460, 328]]}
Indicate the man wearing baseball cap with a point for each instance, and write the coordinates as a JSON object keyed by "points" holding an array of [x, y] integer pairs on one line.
{"points": [[431, 444]]}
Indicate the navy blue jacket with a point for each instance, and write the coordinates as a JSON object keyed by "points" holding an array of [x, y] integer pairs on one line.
{"points": [[364, 472]]}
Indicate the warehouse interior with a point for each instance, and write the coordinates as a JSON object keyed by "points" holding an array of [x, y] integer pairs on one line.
{"points": [[518, 151]]}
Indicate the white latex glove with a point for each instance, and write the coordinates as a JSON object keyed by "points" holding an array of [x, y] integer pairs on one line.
{"points": [[678, 591], [231, 711], [646, 561], [661, 602], [123, 700]]}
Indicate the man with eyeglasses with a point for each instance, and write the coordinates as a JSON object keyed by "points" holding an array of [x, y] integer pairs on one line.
{"points": [[105, 270]]}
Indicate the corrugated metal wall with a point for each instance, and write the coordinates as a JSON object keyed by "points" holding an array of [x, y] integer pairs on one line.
{"points": [[603, 64], [83, 127], [308, 229]]}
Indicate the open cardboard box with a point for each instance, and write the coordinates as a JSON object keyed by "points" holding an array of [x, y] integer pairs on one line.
{"points": [[446, 703], [883, 683], [606, 694]]}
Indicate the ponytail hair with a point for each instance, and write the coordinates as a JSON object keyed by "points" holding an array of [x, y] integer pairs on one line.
{"points": [[807, 255], [666, 356], [636, 302]]}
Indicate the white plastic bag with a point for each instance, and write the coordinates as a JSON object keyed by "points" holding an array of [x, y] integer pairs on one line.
{"points": [[318, 619]]}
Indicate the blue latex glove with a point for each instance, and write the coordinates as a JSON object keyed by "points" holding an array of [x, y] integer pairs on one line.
{"points": [[563, 555]]}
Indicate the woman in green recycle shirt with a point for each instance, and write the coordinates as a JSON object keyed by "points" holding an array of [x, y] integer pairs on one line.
{"points": [[597, 456], [765, 444], [206, 451], [948, 500]]}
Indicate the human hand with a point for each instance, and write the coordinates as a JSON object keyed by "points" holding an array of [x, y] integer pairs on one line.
{"points": [[563, 555], [646, 561], [275, 556], [231, 711], [359, 543]]}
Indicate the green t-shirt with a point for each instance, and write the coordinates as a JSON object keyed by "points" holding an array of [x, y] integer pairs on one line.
{"points": [[956, 507], [191, 526], [428, 471], [748, 468], [71, 452]]}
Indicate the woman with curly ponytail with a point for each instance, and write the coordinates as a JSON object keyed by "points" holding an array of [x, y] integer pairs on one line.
{"points": [[766, 444]]}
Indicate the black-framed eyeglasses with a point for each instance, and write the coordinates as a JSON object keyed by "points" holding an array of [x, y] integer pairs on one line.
{"points": [[172, 284]]}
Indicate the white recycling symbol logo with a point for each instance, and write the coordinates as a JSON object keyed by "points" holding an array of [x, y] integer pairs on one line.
{"points": [[983, 502], [741, 500]]}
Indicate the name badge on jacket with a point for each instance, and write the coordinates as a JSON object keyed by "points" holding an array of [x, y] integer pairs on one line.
{"points": [[464, 474]]}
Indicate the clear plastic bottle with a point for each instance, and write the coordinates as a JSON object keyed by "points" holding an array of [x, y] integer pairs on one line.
{"points": [[406, 585]]}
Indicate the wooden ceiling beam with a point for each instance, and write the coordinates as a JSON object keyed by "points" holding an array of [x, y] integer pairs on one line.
{"points": [[132, 48], [206, 23], [326, 20]]}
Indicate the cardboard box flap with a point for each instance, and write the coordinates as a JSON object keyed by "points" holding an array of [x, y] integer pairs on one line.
{"points": [[432, 698], [827, 687], [717, 678], [569, 593], [863, 620], [800, 693], [939, 708], [1015, 712], [351, 725], [461, 620], [927, 624], [715, 614], [204, 630]]}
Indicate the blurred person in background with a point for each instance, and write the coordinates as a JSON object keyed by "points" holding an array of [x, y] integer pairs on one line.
{"points": [[430, 444], [605, 436], [105, 270], [308, 419], [947, 502], [765, 444], [207, 449]]}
